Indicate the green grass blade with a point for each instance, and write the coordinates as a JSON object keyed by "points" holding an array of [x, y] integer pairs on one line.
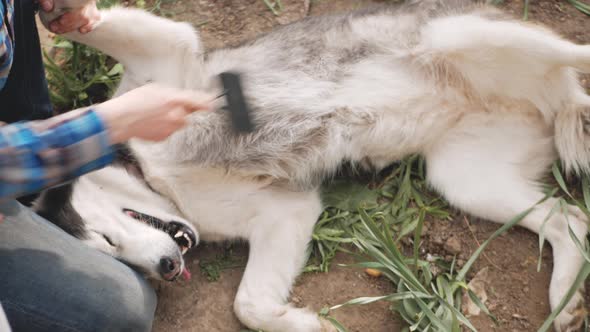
{"points": [[458, 314], [391, 298], [579, 244], [418, 240], [581, 6], [434, 319], [559, 178], [463, 272], [481, 305], [554, 209], [586, 192], [339, 327], [272, 6]]}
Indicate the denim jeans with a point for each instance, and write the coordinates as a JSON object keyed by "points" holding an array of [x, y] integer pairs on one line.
{"points": [[51, 281]]}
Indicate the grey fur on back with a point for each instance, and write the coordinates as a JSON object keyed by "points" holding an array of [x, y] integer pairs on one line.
{"points": [[294, 78]]}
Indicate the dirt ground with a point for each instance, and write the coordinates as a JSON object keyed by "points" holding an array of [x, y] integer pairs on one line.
{"points": [[517, 293]]}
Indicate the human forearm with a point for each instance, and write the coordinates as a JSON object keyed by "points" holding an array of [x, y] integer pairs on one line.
{"points": [[38, 154]]}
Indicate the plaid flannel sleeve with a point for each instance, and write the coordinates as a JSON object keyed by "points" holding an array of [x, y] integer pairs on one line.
{"points": [[38, 154]]}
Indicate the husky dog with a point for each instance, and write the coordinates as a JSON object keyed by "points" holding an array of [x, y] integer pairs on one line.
{"points": [[489, 101]]}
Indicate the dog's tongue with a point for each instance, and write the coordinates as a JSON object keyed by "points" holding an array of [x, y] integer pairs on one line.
{"points": [[186, 275]]}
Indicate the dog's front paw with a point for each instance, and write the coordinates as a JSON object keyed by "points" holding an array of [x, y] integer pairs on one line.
{"points": [[573, 315], [302, 320], [277, 318]]}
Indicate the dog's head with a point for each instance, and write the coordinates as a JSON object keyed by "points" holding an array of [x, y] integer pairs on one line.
{"points": [[115, 211]]}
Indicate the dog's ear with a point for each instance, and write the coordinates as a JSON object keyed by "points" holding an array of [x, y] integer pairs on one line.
{"points": [[55, 205], [125, 158]]}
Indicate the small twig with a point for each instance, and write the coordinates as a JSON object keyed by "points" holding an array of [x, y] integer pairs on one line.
{"points": [[273, 6], [468, 224]]}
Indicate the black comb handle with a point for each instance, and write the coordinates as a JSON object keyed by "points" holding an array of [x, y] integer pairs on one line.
{"points": [[236, 104]]}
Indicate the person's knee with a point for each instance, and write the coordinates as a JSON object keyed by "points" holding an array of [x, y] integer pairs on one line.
{"points": [[61, 281], [139, 317], [132, 309]]}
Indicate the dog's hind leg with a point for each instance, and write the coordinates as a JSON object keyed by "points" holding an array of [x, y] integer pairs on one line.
{"points": [[488, 166], [495, 60], [505, 58], [278, 241]]}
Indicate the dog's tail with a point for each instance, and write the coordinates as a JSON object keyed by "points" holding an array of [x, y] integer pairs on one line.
{"points": [[572, 135]]}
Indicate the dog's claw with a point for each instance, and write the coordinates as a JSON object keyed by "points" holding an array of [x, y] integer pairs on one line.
{"points": [[572, 320]]}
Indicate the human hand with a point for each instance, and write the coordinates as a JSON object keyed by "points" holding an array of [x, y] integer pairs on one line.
{"points": [[152, 112], [82, 19]]}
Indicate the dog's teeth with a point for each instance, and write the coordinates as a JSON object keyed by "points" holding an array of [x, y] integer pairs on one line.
{"points": [[188, 239], [178, 234], [184, 250]]}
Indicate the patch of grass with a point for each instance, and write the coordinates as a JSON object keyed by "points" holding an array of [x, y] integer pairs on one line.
{"points": [[374, 218], [156, 7], [402, 201], [581, 6], [211, 269], [78, 75]]}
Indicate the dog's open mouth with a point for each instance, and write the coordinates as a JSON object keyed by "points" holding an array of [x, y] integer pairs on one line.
{"points": [[183, 236]]}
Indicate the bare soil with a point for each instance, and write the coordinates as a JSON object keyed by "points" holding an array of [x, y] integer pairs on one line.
{"points": [[517, 292]]}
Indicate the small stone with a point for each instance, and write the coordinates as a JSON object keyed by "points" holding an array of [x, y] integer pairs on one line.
{"points": [[519, 317], [437, 239], [453, 245], [478, 286]]}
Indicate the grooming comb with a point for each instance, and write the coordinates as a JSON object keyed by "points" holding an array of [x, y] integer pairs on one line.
{"points": [[236, 104]]}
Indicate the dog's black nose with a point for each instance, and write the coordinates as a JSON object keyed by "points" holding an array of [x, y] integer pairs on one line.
{"points": [[169, 268]]}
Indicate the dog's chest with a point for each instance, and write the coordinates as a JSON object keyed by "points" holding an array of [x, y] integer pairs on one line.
{"points": [[219, 205]]}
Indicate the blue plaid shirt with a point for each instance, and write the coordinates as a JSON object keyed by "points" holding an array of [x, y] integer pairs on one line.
{"points": [[6, 42], [38, 154]]}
